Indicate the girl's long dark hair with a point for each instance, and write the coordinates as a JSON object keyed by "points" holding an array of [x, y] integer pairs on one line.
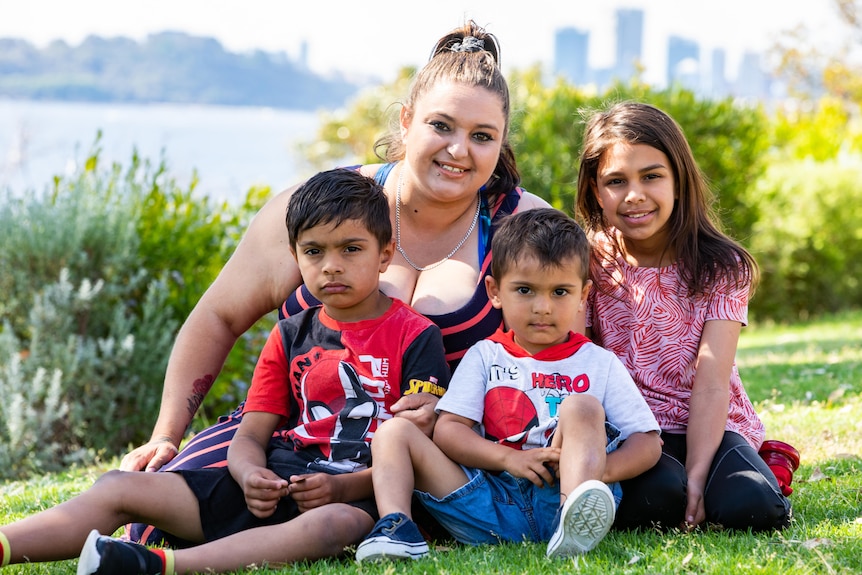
{"points": [[704, 251]]}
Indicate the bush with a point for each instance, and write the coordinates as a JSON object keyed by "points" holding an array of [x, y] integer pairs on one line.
{"points": [[76, 394], [98, 270], [808, 241], [729, 141]]}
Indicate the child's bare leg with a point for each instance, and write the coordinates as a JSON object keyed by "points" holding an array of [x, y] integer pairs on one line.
{"points": [[582, 439], [587, 506], [321, 532], [405, 458], [114, 500]]}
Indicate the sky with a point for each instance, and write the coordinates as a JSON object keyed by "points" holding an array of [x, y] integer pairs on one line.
{"points": [[377, 38]]}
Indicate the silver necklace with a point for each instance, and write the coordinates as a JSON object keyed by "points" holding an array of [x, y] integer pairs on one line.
{"points": [[398, 228]]}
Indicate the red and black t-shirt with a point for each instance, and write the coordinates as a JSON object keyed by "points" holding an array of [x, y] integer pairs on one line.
{"points": [[334, 382]]}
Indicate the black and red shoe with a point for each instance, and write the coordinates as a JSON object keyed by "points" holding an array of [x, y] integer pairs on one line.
{"points": [[108, 556]]}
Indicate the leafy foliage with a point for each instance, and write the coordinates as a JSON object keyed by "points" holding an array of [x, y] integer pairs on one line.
{"points": [[811, 68], [98, 271], [808, 242]]}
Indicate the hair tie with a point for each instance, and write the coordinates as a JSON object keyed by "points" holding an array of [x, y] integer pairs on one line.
{"points": [[468, 44]]}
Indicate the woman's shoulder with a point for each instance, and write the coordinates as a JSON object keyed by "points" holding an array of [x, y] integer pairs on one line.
{"points": [[369, 170], [529, 201]]}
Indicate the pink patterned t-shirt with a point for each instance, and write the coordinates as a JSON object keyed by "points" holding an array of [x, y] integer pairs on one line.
{"points": [[655, 328]]}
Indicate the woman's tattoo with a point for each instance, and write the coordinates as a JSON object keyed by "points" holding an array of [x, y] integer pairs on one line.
{"points": [[200, 389]]}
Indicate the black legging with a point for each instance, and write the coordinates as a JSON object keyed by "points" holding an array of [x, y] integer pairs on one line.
{"points": [[741, 491]]}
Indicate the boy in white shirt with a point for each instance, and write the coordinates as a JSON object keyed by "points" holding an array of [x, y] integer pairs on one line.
{"points": [[537, 421]]}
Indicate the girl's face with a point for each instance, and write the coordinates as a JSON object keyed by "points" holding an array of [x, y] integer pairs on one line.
{"points": [[453, 137], [636, 188]]}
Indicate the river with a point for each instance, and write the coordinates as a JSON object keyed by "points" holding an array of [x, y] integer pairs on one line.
{"points": [[232, 148]]}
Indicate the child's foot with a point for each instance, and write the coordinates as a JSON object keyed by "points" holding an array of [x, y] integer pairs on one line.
{"points": [[585, 519], [108, 556], [395, 536]]}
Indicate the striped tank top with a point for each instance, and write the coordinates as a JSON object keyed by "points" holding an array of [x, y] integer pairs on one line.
{"points": [[477, 319]]}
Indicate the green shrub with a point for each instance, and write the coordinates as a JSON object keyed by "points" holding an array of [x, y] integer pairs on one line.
{"points": [[729, 141], [808, 241], [76, 394], [97, 272]]}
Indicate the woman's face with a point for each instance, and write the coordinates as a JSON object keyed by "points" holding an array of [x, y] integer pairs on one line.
{"points": [[453, 137]]}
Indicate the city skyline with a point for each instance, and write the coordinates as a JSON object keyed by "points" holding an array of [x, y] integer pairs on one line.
{"points": [[349, 37], [686, 64]]}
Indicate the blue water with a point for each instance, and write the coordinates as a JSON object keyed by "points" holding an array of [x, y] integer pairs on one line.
{"points": [[232, 148]]}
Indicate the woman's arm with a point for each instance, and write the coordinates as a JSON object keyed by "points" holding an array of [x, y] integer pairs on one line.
{"points": [[254, 281], [710, 399]]}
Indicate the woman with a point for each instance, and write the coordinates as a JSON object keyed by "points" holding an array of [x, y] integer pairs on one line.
{"points": [[450, 173]]}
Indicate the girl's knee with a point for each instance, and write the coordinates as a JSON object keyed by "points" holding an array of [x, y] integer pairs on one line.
{"points": [[747, 500]]}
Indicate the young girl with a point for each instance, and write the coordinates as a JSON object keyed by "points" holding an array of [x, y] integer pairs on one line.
{"points": [[670, 297]]}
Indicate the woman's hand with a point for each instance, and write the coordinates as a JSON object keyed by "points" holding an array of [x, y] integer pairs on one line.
{"points": [[150, 456]]}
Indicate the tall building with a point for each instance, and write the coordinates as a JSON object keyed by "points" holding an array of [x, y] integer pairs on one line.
{"points": [[303, 54], [751, 82], [683, 62], [571, 47], [719, 87], [630, 25]]}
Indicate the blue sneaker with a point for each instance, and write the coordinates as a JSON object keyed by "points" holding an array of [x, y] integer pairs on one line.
{"points": [[108, 556], [395, 536], [584, 519]]}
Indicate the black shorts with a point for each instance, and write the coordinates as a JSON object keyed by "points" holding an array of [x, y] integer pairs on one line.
{"points": [[222, 505]]}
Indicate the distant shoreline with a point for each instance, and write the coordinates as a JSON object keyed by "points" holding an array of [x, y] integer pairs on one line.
{"points": [[230, 147]]}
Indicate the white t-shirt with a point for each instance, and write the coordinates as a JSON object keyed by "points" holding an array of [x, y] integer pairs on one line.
{"points": [[515, 397]]}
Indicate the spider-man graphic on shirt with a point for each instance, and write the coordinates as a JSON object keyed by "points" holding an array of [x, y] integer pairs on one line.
{"points": [[334, 382]]}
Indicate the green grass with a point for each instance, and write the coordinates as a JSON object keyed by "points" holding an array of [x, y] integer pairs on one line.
{"points": [[806, 381]]}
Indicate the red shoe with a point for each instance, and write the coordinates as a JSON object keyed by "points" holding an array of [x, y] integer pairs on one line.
{"points": [[783, 460]]}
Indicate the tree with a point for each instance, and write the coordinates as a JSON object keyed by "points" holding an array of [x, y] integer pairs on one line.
{"points": [[810, 72]]}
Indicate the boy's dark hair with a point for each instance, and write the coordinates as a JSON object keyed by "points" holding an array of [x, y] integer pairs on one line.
{"points": [[337, 195], [546, 234]]}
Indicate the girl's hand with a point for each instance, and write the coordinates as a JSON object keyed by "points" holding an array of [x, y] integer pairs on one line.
{"points": [[314, 490], [695, 511], [536, 464], [263, 489]]}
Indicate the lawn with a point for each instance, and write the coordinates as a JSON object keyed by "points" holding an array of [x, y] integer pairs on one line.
{"points": [[806, 381]]}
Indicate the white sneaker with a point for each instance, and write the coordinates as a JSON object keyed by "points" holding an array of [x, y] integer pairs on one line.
{"points": [[585, 519]]}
